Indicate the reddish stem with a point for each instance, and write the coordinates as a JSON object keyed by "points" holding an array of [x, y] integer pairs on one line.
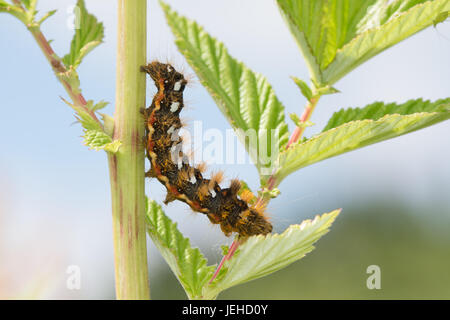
{"points": [[271, 182], [230, 253], [298, 132], [58, 67]]}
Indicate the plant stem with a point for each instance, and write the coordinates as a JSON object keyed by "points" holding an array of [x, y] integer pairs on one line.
{"points": [[306, 115], [58, 68], [296, 135], [127, 165]]}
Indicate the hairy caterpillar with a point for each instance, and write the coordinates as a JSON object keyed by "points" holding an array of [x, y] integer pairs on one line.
{"points": [[184, 182]]}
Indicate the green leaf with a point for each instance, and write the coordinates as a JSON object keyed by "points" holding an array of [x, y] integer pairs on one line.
{"points": [[87, 36], [350, 136], [108, 123], [99, 140], [441, 18], [377, 110], [187, 263], [304, 88], [393, 24], [320, 27], [29, 4], [245, 98], [337, 36], [46, 16], [298, 122], [98, 106], [71, 77], [262, 255], [84, 117]]}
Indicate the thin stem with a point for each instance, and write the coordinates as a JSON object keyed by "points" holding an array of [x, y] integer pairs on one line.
{"points": [[296, 136], [298, 132], [230, 253], [272, 182], [58, 68], [127, 165]]}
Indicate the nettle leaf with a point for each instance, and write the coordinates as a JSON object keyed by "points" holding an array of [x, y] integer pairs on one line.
{"points": [[187, 263], [262, 255], [379, 109], [394, 27], [441, 18], [89, 35], [337, 36], [245, 98], [321, 27], [99, 140], [84, 117], [304, 88], [353, 135]]}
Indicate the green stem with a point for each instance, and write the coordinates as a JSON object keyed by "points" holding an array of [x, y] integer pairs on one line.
{"points": [[127, 165]]}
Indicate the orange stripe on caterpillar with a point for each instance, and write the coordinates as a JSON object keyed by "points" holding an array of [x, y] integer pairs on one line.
{"points": [[182, 181]]}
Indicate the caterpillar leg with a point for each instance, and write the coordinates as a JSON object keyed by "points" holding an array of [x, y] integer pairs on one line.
{"points": [[150, 173], [169, 198]]}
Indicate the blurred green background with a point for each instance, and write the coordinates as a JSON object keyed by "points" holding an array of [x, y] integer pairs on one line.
{"points": [[412, 254], [54, 193]]}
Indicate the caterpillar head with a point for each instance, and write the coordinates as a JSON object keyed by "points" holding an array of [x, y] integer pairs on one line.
{"points": [[166, 75]]}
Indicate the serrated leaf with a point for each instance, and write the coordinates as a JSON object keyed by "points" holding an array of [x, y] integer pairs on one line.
{"points": [[441, 18], [245, 98], [262, 255], [84, 117], [89, 35], [99, 140], [379, 109], [320, 27], [395, 23], [350, 136], [337, 36], [187, 263]]}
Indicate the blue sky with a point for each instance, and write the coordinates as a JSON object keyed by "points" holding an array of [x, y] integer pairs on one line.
{"points": [[54, 192]]}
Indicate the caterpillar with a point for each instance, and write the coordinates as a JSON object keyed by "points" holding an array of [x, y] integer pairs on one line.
{"points": [[184, 182]]}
